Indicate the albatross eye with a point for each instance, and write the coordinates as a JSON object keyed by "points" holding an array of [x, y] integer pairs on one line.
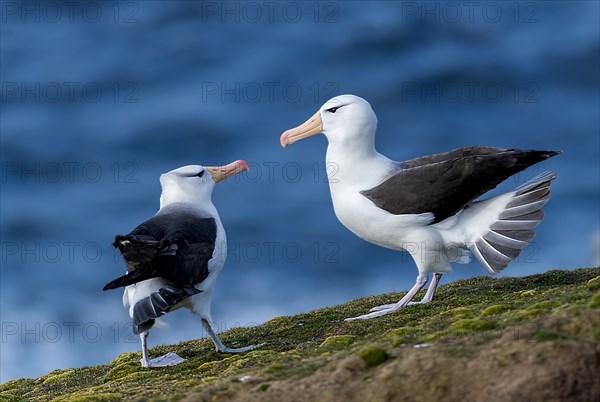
{"points": [[333, 109], [200, 174]]}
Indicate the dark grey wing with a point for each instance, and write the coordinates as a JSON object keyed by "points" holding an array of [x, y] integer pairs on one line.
{"points": [[175, 246], [446, 156], [444, 183], [195, 239]]}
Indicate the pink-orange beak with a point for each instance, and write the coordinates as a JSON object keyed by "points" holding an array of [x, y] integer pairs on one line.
{"points": [[220, 173], [310, 127]]}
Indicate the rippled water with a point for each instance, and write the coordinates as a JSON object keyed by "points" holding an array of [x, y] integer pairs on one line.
{"points": [[98, 99]]}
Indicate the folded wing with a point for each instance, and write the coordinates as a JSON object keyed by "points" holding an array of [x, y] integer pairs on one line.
{"points": [[175, 246], [444, 183]]}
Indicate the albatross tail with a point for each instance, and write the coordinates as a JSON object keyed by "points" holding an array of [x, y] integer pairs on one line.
{"points": [[147, 309], [496, 230]]}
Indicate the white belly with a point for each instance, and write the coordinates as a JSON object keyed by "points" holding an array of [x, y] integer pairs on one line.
{"points": [[376, 225]]}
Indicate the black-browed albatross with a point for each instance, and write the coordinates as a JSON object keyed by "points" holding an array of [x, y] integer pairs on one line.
{"points": [[174, 258], [426, 205]]}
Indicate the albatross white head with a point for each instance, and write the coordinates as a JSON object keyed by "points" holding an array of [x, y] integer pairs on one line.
{"points": [[193, 184], [349, 124], [346, 121]]}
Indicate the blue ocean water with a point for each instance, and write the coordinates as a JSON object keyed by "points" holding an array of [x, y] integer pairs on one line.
{"points": [[99, 99]]}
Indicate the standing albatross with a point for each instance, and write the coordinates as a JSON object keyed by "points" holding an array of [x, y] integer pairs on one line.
{"points": [[426, 205], [174, 258]]}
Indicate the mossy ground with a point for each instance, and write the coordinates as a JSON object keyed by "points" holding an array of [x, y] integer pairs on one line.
{"points": [[513, 319]]}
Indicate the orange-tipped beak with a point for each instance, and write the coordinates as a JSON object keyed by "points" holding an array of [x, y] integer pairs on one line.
{"points": [[220, 173], [310, 127]]}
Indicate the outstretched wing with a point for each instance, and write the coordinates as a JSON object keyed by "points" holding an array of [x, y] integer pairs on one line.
{"points": [[444, 183], [176, 246]]}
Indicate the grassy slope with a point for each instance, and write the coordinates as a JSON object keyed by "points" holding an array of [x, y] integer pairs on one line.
{"points": [[512, 338]]}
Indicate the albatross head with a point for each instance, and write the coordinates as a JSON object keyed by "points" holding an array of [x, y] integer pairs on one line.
{"points": [[344, 119], [194, 183]]}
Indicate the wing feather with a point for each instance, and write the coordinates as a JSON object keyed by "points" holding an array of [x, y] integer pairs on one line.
{"points": [[445, 183], [176, 246]]}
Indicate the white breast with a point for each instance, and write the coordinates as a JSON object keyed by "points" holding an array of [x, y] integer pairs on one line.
{"points": [[357, 212]]}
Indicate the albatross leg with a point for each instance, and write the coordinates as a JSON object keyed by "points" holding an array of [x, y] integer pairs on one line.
{"points": [[390, 308], [170, 359], [435, 281], [144, 359], [426, 299], [219, 345]]}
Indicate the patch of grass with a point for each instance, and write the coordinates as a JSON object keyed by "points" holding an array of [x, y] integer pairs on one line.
{"points": [[494, 310], [405, 335], [472, 325], [461, 312], [527, 314], [338, 342], [594, 283], [595, 302], [545, 304], [372, 355], [469, 312]]}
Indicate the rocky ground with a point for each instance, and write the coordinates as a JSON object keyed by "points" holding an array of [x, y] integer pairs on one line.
{"points": [[526, 339]]}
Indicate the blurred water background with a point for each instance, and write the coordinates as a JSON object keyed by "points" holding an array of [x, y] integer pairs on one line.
{"points": [[100, 98]]}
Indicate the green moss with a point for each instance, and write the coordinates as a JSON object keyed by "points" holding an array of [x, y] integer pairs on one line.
{"points": [[89, 396], [126, 357], [16, 384], [553, 307], [337, 342], [461, 312], [275, 368], [372, 355], [472, 325], [527, 314], [60, 377], [122, 370], [595, 302], [494, 310], [545, 304], [205, 367], [594, 283], [404, 335]]}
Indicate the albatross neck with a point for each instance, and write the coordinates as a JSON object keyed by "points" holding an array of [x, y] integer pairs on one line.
{"points": [[356, 163], [189, 202]]}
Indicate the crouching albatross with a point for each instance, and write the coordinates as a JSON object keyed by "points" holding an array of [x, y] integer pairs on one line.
{"points": [[174, 258], [426, 205]]}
